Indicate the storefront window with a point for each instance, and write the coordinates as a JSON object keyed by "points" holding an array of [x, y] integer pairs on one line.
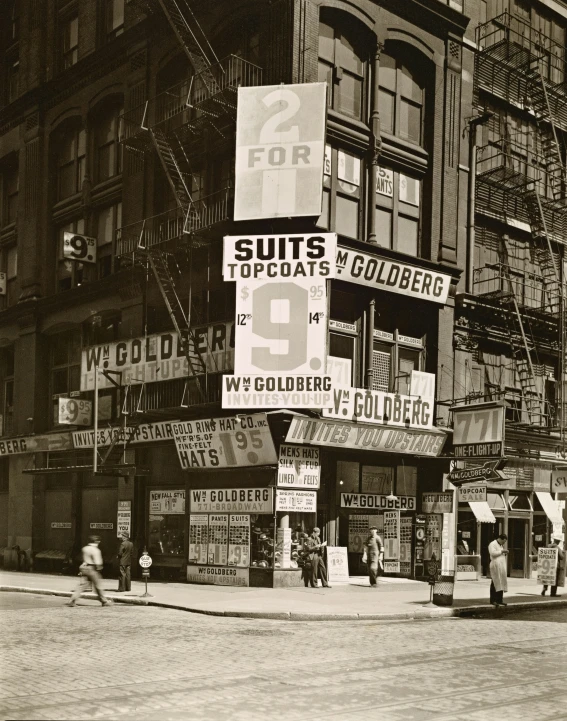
{"points": [[262, 546], [167, 522], [377, 479], [406, 480], [348, 476]]}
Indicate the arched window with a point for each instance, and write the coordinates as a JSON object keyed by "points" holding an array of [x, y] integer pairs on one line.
{"points": [[402, 98], [69, 150], [343, 62], [107, 142]]}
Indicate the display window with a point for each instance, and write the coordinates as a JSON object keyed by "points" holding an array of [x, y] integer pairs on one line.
{"points": [[166, 522]]}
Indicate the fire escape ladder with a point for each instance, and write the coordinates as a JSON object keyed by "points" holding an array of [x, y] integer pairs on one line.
{"points": [[114, 454], [521, 353], [178, 179], [193, 40], [539, 101], [181, 322]]}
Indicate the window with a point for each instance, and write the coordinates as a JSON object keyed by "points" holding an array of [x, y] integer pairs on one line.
{"points": [[343, 63], [108, 146], [70, 273], [397, 211], [394, 357], [10, 189], [108, 220], [70, 148], [401, 100], [7, 366], [12, 80], [11, 264], [342, 193], [15, 21], [70, 42], [65, 365], [114, 18]]}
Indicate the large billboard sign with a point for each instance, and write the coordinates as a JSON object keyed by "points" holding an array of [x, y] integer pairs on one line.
{"points": [[478, 430], [367, 406], [280, 149], [157, 357]]}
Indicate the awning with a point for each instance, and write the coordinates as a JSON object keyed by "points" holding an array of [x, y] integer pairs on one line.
{"points": [[482, 511], [551, 507]]}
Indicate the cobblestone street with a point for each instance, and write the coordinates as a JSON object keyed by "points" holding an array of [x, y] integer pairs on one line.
{"points": [[147, 663]]}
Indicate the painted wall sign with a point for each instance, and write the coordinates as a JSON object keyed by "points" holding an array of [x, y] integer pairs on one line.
{"points": [[383, 274], [218, 576], [377, 502], [298, 467], [232, 500], [365, 437], [478, 430], [367, 406], [280, 149], [224, 442], [298, 501], [157, 357]]}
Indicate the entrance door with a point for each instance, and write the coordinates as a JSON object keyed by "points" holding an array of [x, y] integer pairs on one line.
{"points": [[517, 546], [488, 532]]}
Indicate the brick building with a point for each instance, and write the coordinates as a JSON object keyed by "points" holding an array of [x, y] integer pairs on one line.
{"points": [[117, 142]]}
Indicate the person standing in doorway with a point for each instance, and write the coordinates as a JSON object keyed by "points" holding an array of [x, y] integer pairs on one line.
{"points": [[313, 546], [498, 570], [92, 564], [560, 577], [125, 561], [374, 554]]}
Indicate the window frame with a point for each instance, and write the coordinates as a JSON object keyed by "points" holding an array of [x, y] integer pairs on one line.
{"points": [[395, 343], [8, 371], [112, 32], [10, 192], [69, 56], [398, 208], [335, 188], [397, 93], [112, 112], [71, 364], [106, 252], [76, 135]]}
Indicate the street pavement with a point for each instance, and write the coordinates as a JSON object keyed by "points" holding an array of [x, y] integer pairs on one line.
{"points": [[141, 663], [394, 598]]}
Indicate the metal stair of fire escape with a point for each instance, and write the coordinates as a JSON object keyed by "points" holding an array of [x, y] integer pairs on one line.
{"points": [[196, 364], [113, 456], [521, 353], [175, 175]]}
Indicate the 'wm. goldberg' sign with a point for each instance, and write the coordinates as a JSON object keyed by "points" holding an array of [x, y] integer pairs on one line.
{"points": [[157, 357]]}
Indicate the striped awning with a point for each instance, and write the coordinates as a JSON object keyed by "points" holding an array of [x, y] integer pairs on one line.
{"points": [[482, 511], [551, 507]]}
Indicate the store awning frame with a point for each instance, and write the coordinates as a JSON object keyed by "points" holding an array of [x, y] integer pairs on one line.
{"points": [[482, 511], [550, 507]]}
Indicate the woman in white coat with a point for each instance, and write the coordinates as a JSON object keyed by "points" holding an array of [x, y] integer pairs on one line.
{"points": [[498, 570]]}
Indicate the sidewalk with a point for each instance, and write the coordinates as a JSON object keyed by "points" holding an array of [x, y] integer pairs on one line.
{"points": [[394, 599]]}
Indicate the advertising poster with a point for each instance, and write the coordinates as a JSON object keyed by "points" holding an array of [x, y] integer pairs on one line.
{"points": [[283, 548], [218, 539], [547, 559], [213, 575], [357, 532], [298, 467], [157, 357], [124, 518], [432, 542], [198, 537], [74, 411], [337, 564], [405, 545], [391, 567], [280, 149], [391, 536], [232, 500], [224, 442], [478, 430], [377, 502], [437, 502], [472, 494], [366, 406], [164, 502], [296, 501], [239, 540]]}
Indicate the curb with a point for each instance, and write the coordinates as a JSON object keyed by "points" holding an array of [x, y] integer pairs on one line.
{"points": [[416, 615]]}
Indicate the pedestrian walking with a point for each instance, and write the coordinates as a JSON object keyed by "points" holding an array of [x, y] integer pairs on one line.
{"points": [[374, 554], [498, 570], [90, 567], [313, 546], [125, 561], [560, 577]]}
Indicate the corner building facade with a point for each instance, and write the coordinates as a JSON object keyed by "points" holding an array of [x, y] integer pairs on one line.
{"points": [[117, 165]]}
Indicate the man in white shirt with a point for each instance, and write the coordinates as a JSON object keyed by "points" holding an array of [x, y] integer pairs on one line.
{"points": [[92, 564]]}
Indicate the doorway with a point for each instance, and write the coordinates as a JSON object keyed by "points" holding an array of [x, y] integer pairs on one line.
{"points": [[517, 546]]}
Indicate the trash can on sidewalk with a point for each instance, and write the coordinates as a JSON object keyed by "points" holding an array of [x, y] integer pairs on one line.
{"points": [[443, 589]]}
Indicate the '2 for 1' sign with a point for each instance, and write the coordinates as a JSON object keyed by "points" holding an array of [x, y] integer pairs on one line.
{"points": [[280, 148]]}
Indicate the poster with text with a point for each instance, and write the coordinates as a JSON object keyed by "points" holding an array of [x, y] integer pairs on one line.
{"points": [[218, 539], [239, 540], [391, 535], [198, 537]]}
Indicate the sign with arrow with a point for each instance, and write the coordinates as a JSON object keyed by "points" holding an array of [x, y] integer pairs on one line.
{"points": [[487, 472]]}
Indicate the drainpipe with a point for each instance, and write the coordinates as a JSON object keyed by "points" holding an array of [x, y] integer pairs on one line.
{"points": [[473, 125], [375, 144]]}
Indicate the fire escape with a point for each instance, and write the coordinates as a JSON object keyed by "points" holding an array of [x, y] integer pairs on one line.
{"points": [[177, 125], [517, 64]]}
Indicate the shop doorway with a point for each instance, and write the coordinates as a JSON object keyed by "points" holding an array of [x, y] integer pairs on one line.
{"points": [[488, 532], [518, 547]]}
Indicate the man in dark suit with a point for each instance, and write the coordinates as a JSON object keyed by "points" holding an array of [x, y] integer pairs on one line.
{"points": [[125, 561]]}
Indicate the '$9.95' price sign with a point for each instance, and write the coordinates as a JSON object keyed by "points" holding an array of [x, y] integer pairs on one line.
{"points": [[281, 326]]}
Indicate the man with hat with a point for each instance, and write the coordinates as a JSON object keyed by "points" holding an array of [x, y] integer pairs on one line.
{"points": [[125, 561], [313, 546], [560, 577]]}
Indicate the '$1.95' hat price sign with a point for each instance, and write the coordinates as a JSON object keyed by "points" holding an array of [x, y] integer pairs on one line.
{"points": [[281, 320]]}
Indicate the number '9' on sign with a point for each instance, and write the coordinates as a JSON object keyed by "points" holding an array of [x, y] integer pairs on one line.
{"points": [[79, 247]]}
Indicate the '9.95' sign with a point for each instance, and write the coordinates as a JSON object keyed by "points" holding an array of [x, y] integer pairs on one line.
{"points": [[74, 411], [79, 247]]}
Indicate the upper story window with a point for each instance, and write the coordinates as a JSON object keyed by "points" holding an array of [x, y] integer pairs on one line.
{"points": [[12, 79], [343, 62], [342, 193], [70, 273], [70, 149], [398, 201], [107, 221], [114, 18], [69, 41], [7, 368], [65, 365], [394, 357], [15, 21], [10, 189], [401, 100], [107, 139]]}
